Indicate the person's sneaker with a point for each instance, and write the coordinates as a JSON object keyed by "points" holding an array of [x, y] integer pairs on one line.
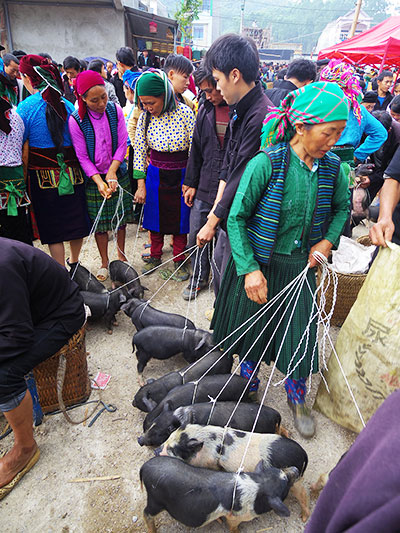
{"points": [[181, 273], [151, 263], [303, 420], [191, 291]]}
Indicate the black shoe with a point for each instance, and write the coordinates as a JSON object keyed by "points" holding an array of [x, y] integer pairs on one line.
{"points": [[190, 292]]}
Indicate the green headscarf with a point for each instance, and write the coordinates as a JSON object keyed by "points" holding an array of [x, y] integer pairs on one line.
{"points": [[312, 104], [155, 83]]}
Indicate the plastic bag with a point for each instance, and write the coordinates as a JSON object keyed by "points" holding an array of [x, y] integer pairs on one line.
{"points": [[368, 347], [351, 257]]}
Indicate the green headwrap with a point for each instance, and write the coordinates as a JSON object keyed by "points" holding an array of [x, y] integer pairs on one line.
{"points": [[312, 104], [155, 83]]}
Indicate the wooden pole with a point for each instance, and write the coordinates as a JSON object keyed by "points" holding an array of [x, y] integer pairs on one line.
{"points": [[355, 20]]}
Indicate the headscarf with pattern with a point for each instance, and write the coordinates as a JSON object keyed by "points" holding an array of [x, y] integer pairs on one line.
{"points": [[337, 71], [155, 82], [46, 78], [312, 104]]}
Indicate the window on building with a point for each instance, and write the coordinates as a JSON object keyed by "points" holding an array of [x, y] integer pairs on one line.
{"points": [[206, 5], [198, 32]]}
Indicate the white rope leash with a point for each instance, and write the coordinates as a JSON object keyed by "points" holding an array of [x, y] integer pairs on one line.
{"points": [[297, 288], [263, 309]]}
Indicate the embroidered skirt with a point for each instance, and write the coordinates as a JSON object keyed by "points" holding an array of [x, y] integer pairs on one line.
{"points": [[233, 308], [165, 210], [58, 218], [110, 216]]}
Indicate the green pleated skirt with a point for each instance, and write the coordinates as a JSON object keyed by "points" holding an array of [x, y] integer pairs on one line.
{"points": [[233, 308], [109, 214]]}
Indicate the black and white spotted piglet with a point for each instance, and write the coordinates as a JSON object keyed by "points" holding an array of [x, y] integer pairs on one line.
{"points": [[197, 496], [224, 448]]}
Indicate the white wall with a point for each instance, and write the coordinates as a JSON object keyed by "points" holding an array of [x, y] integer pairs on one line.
{"points": [[63, 31]]}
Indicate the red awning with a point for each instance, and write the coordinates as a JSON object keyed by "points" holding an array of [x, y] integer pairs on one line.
{"points": [[372, 47]]}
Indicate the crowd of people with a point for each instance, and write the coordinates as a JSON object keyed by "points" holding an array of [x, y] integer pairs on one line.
{"points": [[214, 156]]}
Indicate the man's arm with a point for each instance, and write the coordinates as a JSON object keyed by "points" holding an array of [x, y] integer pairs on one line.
{"points": [[389, 197]]}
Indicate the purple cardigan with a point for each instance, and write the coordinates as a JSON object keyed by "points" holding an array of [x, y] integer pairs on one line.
{"points": [[363, 491], [103, 146]]}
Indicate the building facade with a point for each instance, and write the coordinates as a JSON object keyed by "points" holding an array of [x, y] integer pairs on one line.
{"points": [[339, 29]]}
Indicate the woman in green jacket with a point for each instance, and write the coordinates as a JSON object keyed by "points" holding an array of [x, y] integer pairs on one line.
{"points": [[292, 200]]}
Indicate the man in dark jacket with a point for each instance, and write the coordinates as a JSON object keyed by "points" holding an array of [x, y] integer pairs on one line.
{"points": [[202, 173], [41, 308], [300, 72], [125, 61], [234, 63], [384, 80], [388, 225]]}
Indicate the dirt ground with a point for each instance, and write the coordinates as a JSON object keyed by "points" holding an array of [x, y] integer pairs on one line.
{"points": [[47, 501]]}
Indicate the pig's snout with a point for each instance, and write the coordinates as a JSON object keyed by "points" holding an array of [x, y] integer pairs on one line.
{"points": [[141, 440]]}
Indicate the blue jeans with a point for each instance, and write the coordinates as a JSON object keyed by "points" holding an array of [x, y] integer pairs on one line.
{"points": [[46, 342], [198, 217]]}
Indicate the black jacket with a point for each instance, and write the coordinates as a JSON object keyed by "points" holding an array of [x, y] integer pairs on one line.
{"points": [[382, 107], [119, 87], [141, 61], [242, 142], [393, 171], [206, 156], [280, 90], [35, 290], [68, 92]]}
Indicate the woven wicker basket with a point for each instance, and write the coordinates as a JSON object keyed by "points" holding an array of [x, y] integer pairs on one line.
{"points": [[76, 387], [349, 286]]}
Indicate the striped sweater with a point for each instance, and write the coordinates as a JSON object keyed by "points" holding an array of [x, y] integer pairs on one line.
{"points": [[263, 225]]}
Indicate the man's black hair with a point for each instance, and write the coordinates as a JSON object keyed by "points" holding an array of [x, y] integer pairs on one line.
{"points": [[302, 69], [281, 74], [384, 118], [72, 62], [395, 104], [233, 51], [385, 74], [126, 56], [202, 74], [370, 97], [84, 64], [178, 63], [18, 53], [96, 65], [46, 56], [7, 58]]}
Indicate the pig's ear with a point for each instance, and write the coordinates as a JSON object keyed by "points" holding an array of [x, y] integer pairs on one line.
{"points": [[194, 445], [149, 381], [278, 506], [167, 406], [200, 344], [122, 299], [260, 468], [149, 403], [125, 307]]}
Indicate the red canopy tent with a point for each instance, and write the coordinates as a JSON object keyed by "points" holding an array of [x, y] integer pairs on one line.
{"points": [[378, 46]]}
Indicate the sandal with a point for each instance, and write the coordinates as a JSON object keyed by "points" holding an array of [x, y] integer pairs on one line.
{"points": [[102, 274], [9, 487]]}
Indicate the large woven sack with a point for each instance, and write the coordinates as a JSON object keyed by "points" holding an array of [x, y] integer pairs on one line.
{"points": [[368, 347]]}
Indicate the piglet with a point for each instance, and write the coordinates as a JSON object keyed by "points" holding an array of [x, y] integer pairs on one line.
{"points": [[85, 280], [196, 496], [104, 305], [269, 420], [143, 315], [155, 390], [122, 273], [207, 388], [163, 342], [224, 448]]}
